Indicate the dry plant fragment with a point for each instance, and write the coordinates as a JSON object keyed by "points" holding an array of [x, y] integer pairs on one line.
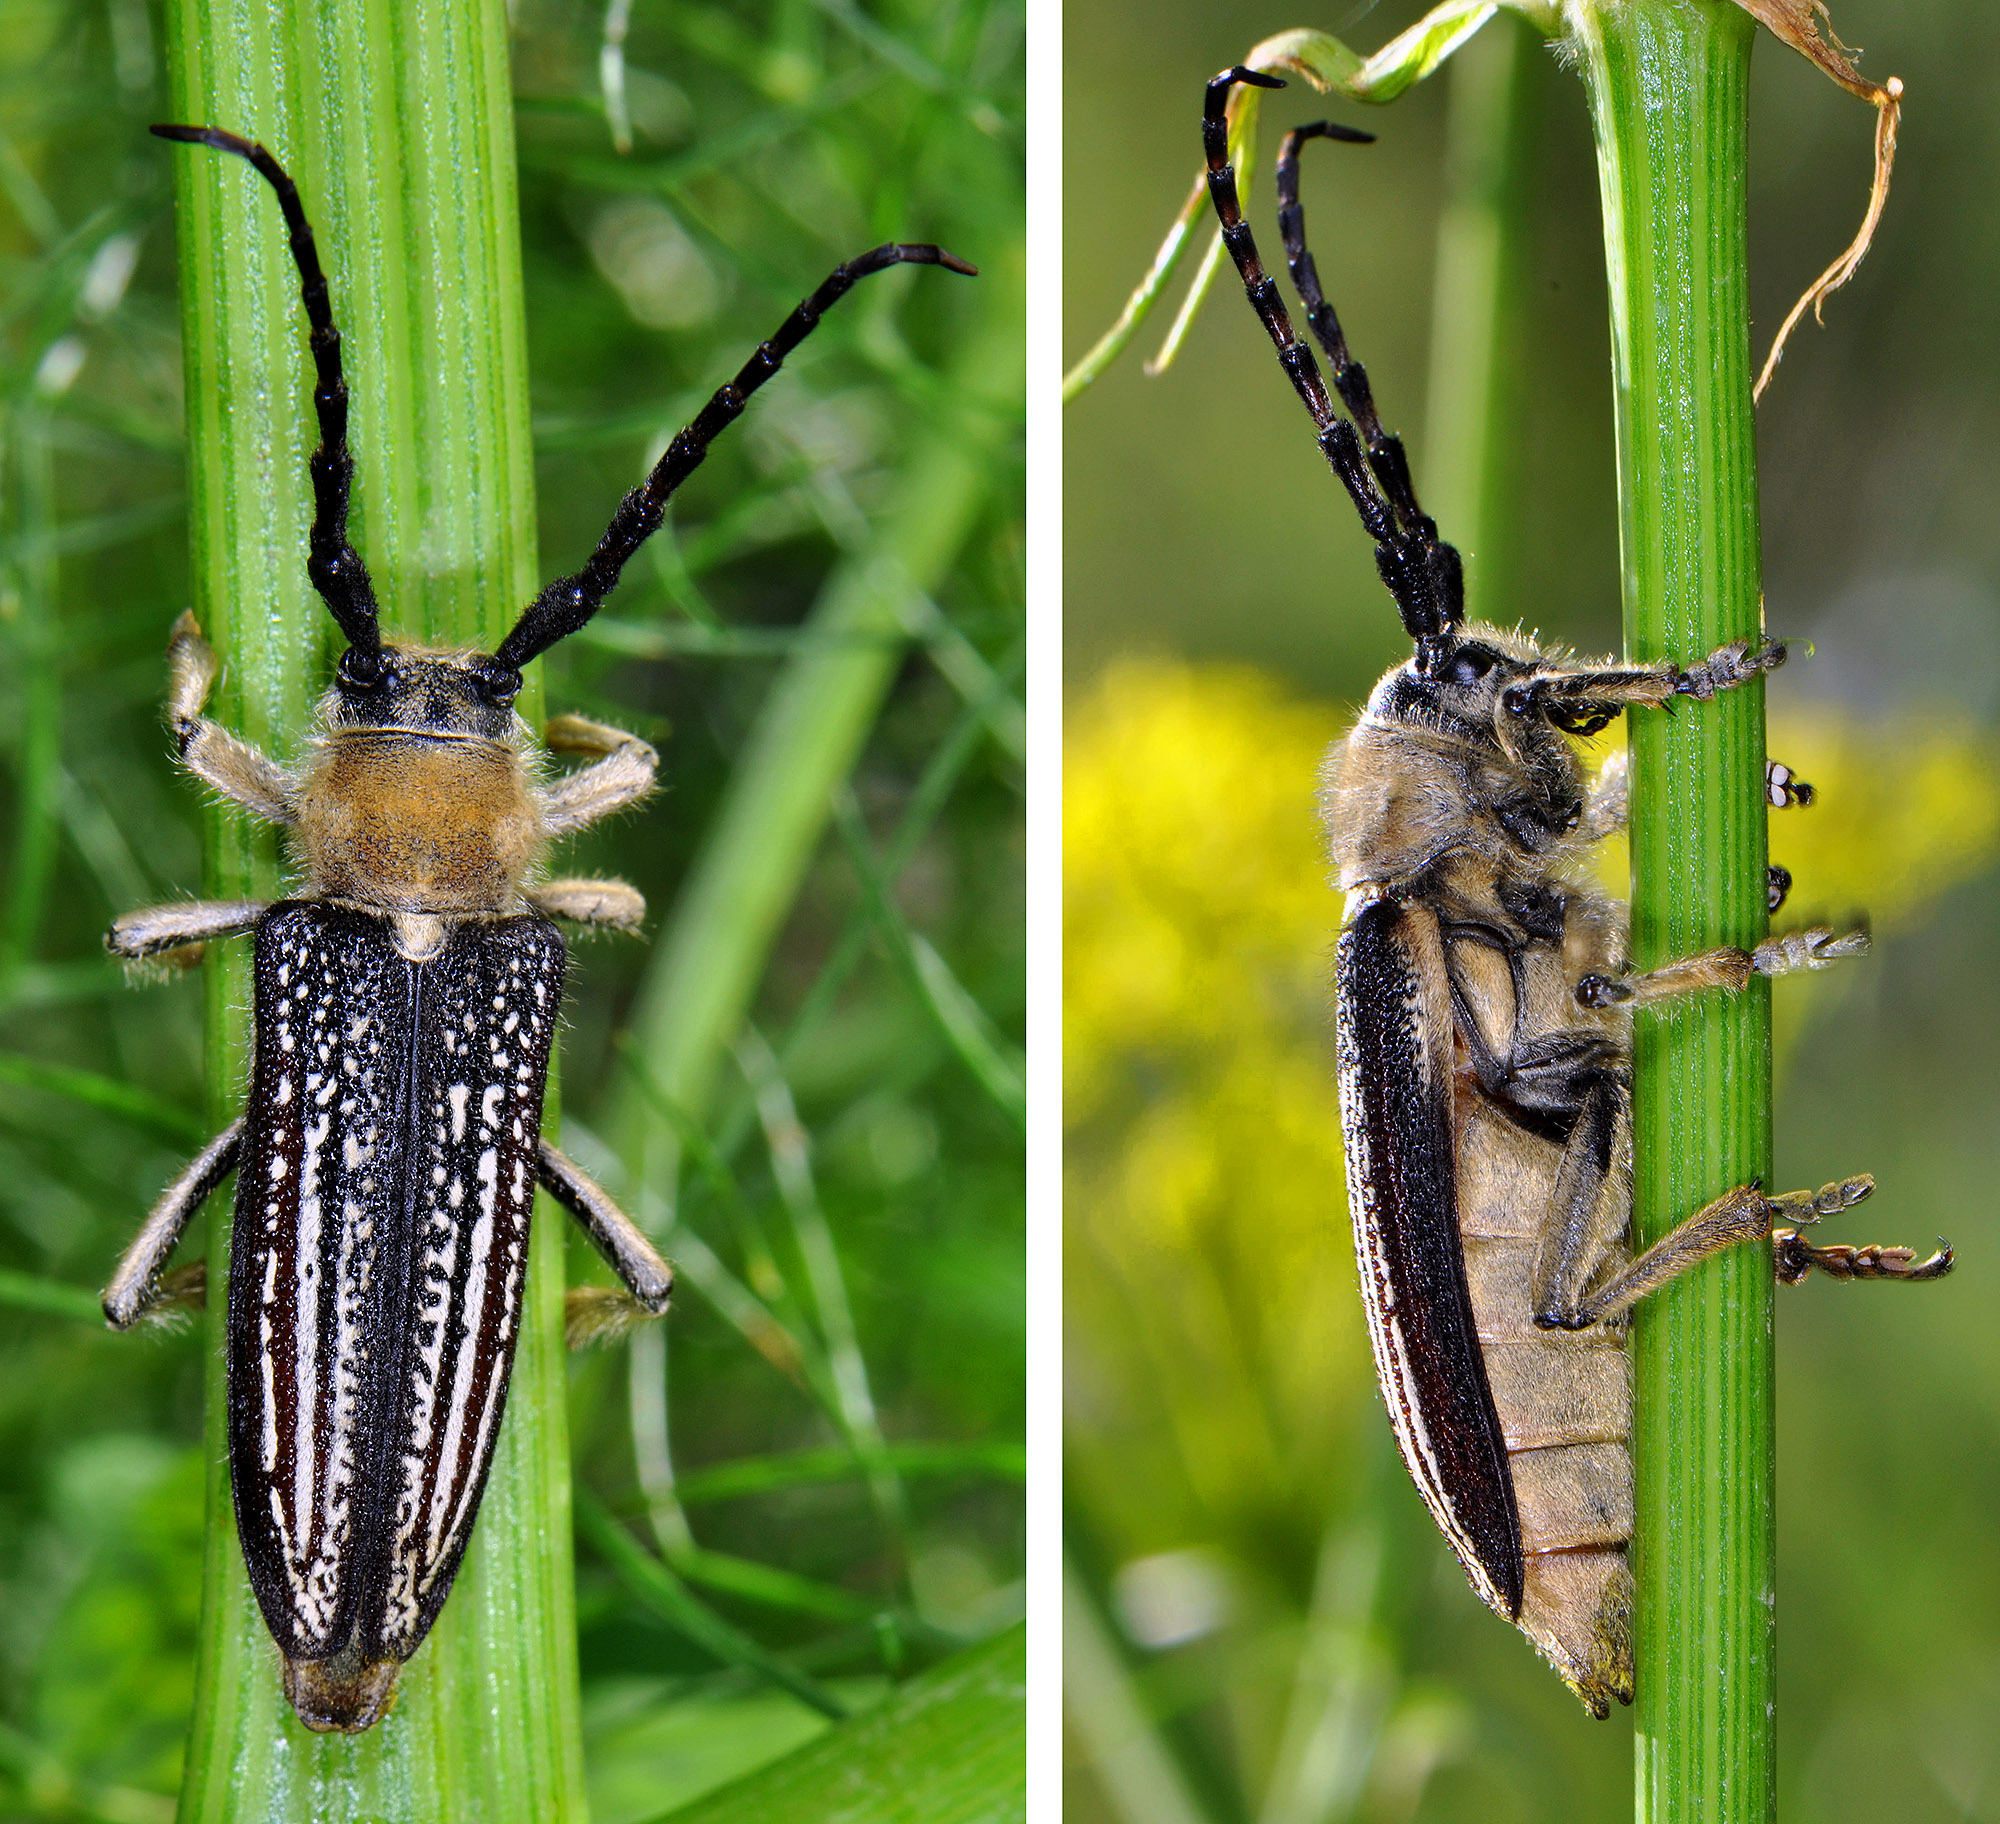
{"points": [[1797, 23]]}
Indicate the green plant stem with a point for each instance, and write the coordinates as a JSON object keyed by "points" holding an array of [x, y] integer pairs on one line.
{"points": [[699, 983], [397, 124], [703, 974], [1470, 431], [1668, 83]]}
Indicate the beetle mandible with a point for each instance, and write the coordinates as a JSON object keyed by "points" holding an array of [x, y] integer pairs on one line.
{"points": [[1483, 1007], [406, 996]]}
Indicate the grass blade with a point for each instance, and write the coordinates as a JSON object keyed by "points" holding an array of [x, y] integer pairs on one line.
{"points": [[662, 1591], [949, 1747]]}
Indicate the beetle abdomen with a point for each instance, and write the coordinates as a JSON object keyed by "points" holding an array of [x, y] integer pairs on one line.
{"points": [[375, 1285], [1564, 1402]]}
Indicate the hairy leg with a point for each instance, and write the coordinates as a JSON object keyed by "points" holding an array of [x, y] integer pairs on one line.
{"points": [[1817, 947], [609, 904], [623, 773], [157, 929], [136, 1290], [593, 1314], [216, 757]]}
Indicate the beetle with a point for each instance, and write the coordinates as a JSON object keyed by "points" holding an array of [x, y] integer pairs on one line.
{"points": [[1483, 1005], [405, 1000]]}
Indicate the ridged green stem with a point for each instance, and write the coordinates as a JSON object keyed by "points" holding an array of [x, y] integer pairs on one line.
{"points": [[1470, 428], [1668, 82], [397, 123]]}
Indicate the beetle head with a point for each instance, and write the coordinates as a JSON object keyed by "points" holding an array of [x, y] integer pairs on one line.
{"points": [[451, 695], [1458, 683], [1447, 759]]}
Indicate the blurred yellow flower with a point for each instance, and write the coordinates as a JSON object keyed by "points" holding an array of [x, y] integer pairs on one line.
{"points": [[1217, 1357]]}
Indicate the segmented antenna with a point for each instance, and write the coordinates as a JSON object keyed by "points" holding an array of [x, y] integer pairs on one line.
{"points": [[333, 565], [568, 602], [1421, 572]]}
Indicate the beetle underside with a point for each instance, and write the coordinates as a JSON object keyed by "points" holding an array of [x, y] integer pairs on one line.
{"points": [[1483, 1002]]}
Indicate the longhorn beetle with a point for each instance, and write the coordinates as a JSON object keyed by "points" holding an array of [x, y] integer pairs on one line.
{"points": [[1483, 1005], [406, 996]]}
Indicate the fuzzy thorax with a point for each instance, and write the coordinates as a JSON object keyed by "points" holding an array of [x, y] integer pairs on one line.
{"points": [[418, 822]]}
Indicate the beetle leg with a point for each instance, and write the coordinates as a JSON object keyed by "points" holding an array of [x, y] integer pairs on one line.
{"points": [[1744, 1214], [138, 935], [1728, 666], [1608, 806], [1813, 948], [608, 903], [593, 1314], [623, 773], [215, 756], [1793, 1258], [136, 1290], [1817, 947], [1584, 698], [1783, 788], [1571, 1244]]}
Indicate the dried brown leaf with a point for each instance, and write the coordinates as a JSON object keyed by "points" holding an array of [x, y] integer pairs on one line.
{"points": [[1797, 22]]}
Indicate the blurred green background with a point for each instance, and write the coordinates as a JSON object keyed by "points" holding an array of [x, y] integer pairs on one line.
{"points": [[1263, 1622], [762, 142]]}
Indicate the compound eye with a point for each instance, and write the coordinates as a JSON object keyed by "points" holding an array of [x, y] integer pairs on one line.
{"points": [[1469, 664]]}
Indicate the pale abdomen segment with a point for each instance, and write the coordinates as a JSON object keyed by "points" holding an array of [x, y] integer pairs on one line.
{"points": [[1564, 1402], [376, 1276]]}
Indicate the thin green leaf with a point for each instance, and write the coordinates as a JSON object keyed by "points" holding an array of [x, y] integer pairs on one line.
{"points": [[975, 1038], [745, 1476], [980, 1047], [770, 1586], [791, 1165], [662, 1591], [950, 1747], [138, 1106], [25, 1292], [1111, 1721], [934, 788]]}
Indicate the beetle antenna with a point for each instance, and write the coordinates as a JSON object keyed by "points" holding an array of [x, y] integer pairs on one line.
{"points": [[568, 602], [333, 565], [1421, 572]]}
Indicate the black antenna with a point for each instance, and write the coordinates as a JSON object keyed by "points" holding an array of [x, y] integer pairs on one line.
{"points": [[1421, 572], [568, 602], [334, 566]]}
